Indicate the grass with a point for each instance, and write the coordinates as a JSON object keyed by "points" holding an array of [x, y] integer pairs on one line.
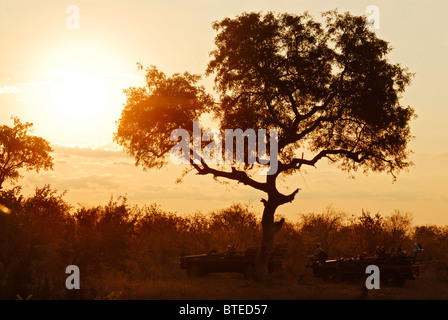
{"points": [[174, 284]]}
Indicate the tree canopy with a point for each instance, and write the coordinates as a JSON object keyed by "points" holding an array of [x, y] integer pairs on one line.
{"points": [[327, 87], [21, 150]]}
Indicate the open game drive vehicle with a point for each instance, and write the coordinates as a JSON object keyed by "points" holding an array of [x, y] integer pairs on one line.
{"points": [[230, 261], [394, 269]]}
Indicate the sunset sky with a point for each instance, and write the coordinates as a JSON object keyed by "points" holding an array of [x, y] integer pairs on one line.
{"points": [[69, 82]]}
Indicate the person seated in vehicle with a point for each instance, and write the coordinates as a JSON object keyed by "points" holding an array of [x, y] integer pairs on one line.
{"points": [[380, 253], [230, 250], [319, 256], [392, 251], [414, 252], [415, 249], [362, 257], [400, 254], [397, 255]]}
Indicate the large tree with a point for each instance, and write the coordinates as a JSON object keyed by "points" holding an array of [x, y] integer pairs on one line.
{"points": [[21, 150], [327, 87]]}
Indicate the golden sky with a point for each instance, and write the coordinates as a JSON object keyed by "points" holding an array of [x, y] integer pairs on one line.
{"points": [[68, 82]]}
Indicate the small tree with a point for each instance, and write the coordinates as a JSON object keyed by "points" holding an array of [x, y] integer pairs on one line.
{"points": [[19, 149], [328, 89]]}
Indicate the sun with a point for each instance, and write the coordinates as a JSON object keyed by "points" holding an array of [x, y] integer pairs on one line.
{"points": [[78, 95], [78, 72], [77, 92]]}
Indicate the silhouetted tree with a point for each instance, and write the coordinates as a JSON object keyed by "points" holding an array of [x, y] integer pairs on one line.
{"points": [[322, 228], [370, 231], [19, 149], [328, 88]]}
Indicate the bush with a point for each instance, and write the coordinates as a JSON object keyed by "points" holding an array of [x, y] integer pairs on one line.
{"points": [[44, 234]]}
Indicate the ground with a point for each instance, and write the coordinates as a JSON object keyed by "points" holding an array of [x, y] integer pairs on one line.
{"points": [[176, 285]]}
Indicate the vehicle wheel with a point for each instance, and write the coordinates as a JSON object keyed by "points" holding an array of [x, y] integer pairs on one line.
{"points": [[194, 271], [390, 279], [330, 276], [401, 282], [249, 273]]}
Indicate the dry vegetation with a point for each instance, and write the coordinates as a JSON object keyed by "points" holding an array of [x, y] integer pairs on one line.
{"points": [[130, 252]]}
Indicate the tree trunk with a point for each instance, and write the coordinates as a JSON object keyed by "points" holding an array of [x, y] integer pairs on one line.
{"points": [[267, 241]]}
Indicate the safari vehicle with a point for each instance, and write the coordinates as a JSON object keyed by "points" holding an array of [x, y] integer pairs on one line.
{"points": [[230, 261], [394, 270]]}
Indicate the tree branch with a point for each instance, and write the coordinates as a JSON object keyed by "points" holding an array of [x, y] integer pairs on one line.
{"points": [[296, 163], [236, 175]]}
